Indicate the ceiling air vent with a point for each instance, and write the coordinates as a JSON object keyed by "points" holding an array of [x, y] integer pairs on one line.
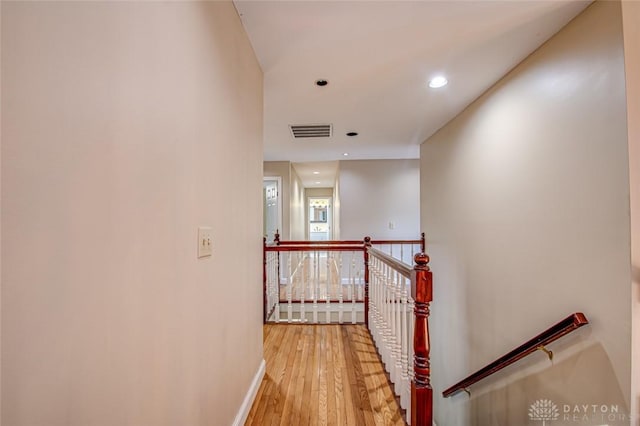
{"points": [[311, 131]]}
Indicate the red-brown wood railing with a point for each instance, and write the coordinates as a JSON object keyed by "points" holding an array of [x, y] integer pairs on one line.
{"points": [[421, 293], [421, 391], [332, 245], [539, 342], [420, 241], [421, 282]]}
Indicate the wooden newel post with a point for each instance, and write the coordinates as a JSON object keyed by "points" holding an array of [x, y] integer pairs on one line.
{"points": [[421, 391], [367, 244], [264, 280]]}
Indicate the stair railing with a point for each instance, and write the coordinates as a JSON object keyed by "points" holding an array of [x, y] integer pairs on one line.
{"points": [[316, 283], [535, 344], [399, 298], [372, 276]]}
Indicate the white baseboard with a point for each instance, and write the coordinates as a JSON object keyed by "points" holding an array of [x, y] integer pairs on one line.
{"points": [[241, 417]]}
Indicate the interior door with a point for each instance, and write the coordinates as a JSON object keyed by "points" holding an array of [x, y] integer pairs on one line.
{"points": [[272, 218]]}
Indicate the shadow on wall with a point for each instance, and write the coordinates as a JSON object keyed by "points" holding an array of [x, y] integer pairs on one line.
{"points": [[581, 390]]}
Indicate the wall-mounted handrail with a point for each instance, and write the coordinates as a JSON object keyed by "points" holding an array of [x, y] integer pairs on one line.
{"points": [[567, 325]]}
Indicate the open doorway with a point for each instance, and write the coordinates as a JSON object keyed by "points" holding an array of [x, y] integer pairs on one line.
{"points": [[320, 217]]}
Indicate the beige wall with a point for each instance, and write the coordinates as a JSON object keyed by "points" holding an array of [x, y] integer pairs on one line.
{"points": [[525, 203], [631, 19], [297, 208], [123, 124], [0, 221], [376, 192], [336, 206]]}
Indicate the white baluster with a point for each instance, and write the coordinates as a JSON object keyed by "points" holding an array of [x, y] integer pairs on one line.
{"points": [[327, 296], [373, 301], [411, 320], [391, 338], [380, 310], [392, 324], [302, 280], [275, 285], [277, 288], [397, 334], [405, 388], [352, 288], [340, 287], [395, 312], [380, 316], [289, 288], [315, 286], [385, 315], [373, 296], [350, 295]]}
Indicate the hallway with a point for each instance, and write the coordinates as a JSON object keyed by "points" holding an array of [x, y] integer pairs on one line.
{"points": [[324, 375]]}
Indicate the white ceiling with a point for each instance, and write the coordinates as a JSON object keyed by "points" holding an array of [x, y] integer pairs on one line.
{"points": [[317, 174], [378, 57]]}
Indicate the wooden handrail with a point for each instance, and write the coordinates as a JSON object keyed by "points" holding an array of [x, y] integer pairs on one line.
{"points": [[421, 241], [309, 242], [319, 242], [567, 325], [394, 263], [278, 242], [319, 247]]}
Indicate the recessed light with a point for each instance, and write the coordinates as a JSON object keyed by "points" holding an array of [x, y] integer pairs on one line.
{"points": [[321, 83], [317, 182], [345, 154], [352, 134], [316, 173], [437, 82]]}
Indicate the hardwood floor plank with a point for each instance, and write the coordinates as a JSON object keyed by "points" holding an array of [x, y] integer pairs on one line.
{"points": [[322, 375], [322, 391], [337, 359], [356, 377], [331, 385], [287, 389], [315, 379], [298, 393]]}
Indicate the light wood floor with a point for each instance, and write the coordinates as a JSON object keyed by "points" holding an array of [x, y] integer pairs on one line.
{"points": [[323, 375]]}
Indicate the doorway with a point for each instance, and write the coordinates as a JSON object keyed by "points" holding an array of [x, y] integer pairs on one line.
{"points": [[319, 222]]}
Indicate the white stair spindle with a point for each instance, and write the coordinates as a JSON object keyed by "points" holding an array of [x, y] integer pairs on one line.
{"points": [[315, 286]]}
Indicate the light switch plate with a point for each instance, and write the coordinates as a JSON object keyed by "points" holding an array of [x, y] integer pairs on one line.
{"points": [[205, 242]]}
